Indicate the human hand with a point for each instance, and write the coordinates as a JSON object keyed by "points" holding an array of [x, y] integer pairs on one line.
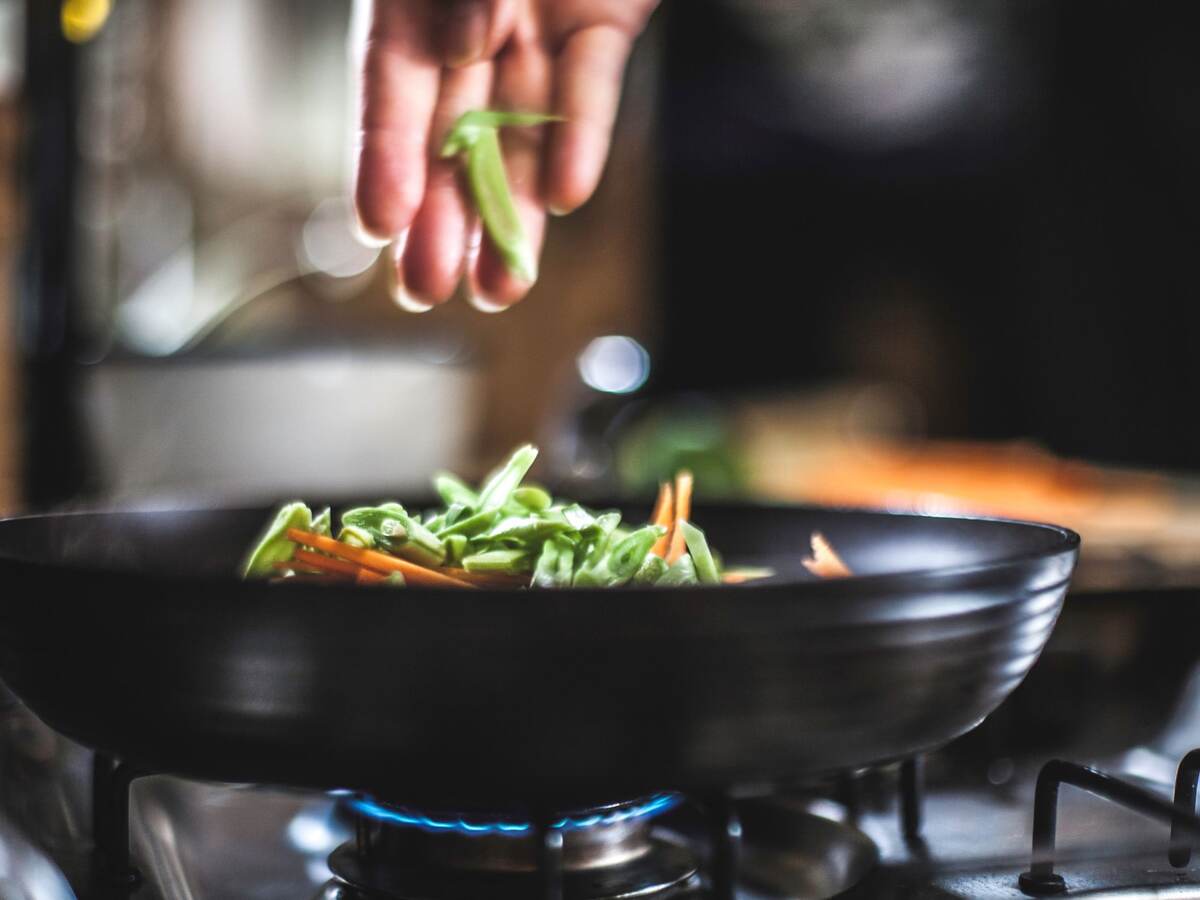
{"points": [[429, 61]]}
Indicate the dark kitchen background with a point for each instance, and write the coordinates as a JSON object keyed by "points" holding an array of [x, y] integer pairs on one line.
{"points": [[922, 253]]}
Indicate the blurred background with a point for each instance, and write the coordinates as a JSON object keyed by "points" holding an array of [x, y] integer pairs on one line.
{"points": [[921, 254]]}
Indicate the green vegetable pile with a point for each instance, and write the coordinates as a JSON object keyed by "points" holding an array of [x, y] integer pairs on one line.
{"points": [[502, 534]]}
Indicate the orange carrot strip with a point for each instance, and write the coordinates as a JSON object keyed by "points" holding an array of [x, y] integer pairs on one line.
{"points": [[824, 561], [366, 576], [373, 559], [683, 509], [664, 515], [326, 563]]}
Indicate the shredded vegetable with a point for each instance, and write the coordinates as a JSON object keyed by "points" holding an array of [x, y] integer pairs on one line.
{"points": [[824, 561], [505, 534]]}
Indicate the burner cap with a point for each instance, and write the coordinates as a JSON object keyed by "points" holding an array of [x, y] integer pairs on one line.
{"points": [[663, 866], [605, 853]]}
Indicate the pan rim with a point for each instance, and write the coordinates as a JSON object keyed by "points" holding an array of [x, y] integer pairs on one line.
{"points": [[1066, 542]]}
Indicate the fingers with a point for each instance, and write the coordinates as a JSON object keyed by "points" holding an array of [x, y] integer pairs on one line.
{"points": [[400, 88], [588, 76], [472, 30], [433, 259], [522, 76]]}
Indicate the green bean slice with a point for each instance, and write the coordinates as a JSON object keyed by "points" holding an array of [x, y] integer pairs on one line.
{"points": [[532, 498], [456, 548], [356, 537], [467, 129], [682, 572], [476, 133], [504, 561], [545, 573], [489, 185], [453, 490], [506, 480], [274, 545], [697, 544], [629, 553], [651, 571], [323, 523]]}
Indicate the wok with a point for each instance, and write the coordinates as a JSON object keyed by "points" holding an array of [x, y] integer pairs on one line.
{"points": [[125, 631]]}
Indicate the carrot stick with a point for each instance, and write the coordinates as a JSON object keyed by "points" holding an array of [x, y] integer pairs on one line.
{"points": [[326, 563], [664, 515], [366, 576], [373, 559], [683, 509], [824, 561]]}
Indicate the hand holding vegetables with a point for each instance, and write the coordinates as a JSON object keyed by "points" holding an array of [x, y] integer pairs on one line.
{"points": [[429, 61]]}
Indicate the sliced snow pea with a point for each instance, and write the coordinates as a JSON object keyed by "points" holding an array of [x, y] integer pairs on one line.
{"points": [[545, 573], [682, 571], [506, 480], [453, 490], [652, 569], [274, 545], [506, 561], [629, 553], [476, 133], [697, 544], [532, 498], [456, 548]]}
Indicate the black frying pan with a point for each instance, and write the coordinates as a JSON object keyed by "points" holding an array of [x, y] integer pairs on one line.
{"points": [[126, 632]]}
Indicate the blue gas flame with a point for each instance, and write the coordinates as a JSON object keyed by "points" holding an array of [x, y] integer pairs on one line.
{"points": [[652, 806]]}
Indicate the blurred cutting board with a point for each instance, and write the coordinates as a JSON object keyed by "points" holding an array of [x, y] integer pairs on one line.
{"points": [[1139, 529]]}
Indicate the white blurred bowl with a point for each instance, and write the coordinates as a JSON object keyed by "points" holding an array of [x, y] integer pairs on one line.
{"points": [[312, 425]]}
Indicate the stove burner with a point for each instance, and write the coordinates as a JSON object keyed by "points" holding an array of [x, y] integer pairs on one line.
{"points": [[664, 867], [601, 854], [646, 809]]}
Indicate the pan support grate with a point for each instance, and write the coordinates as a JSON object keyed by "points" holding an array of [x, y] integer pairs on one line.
{"points": [[116, 875], [1041, 879], [726, 830]]}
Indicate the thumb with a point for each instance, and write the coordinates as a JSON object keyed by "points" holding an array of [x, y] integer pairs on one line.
{"points": [[471, 30]]}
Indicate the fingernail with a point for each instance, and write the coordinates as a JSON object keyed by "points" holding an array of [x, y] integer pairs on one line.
{"points": [[404, 299], [557, 211], [464, 31], [485, 305], [366, 237], [401, 297]]}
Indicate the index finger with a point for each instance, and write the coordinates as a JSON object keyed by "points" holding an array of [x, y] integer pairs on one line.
{"points": [[401, 72]]}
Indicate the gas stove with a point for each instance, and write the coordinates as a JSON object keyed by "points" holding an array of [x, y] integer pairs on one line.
{"points": [[220, 842], [993, 815]]}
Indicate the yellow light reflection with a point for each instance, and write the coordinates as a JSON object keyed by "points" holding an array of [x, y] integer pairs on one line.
{"points": [[81, 19]]}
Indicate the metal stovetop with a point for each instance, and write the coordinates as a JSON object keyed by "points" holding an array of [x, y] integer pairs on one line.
{"points": [[199, 841]]}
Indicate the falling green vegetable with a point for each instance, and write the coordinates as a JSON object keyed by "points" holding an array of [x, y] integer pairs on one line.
{"points": [[477, 135]]}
